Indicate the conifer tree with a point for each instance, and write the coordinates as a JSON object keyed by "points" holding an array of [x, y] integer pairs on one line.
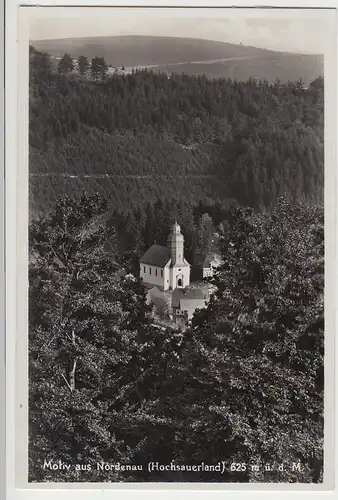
{"points": [[66, 64], [83, 65]]}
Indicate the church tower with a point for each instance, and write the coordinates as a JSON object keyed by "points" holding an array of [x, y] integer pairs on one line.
{"points": [[179, 267], [176, 245]]}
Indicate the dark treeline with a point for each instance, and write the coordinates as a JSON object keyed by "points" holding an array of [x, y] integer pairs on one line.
{"points": [[177, 136]]}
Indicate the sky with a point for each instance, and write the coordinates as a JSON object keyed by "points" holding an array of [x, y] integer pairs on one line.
{"points": [[276, 29]]}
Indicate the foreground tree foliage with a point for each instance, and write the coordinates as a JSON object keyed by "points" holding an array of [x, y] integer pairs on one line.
{"points": [[255, 359], [244, 384], [90, 345]]}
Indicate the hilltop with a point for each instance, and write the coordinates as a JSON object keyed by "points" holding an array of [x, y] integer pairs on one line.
{"points": [[191, 56]]}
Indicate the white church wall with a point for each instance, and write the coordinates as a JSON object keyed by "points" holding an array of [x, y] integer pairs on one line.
{"points": [[155, 275], [182, 273], [166, 280]]}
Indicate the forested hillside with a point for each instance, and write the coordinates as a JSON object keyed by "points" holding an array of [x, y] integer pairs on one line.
{"points": [[144, 135]]}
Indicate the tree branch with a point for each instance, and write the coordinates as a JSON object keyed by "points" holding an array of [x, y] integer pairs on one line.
{"points": [[72, 376], [72, 373], [64, 378], [56, 255]]}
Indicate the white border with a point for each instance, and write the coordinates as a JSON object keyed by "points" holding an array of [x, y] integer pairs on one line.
{"points": [[16, 189], [2, 257]]}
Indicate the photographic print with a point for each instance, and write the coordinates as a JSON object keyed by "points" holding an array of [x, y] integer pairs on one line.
{"points": [[176, 246]]}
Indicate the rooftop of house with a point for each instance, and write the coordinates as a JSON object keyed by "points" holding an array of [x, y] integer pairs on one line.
{"points": [[211, 256], [190, 305], [156, 255], [186, 294]]}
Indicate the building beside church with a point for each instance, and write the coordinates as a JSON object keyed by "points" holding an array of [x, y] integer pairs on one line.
{"points": [[211, 262], [186, 301], [166, 267]]}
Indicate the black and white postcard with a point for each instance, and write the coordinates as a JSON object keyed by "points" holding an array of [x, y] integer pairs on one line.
{"points": [[179, 167]]}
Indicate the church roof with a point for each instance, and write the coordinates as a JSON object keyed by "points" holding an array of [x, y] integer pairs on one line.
{"points": [[156, 255]]}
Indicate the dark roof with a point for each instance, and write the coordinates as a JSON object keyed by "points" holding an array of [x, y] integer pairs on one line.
{"points": [[156, 255], [186, 294]]}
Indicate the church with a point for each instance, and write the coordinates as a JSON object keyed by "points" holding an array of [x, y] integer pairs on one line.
{"points": [[166, 267]]}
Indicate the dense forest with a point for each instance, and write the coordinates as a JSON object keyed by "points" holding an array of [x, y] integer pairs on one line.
{"points": [[242, 385], [142, 136], [114, 159]]}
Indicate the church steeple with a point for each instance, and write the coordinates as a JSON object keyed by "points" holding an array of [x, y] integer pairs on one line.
{"points": [[175, 244]]}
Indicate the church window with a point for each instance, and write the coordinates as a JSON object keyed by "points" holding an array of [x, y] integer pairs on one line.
{"points": [[161, 274], [144, 269], [155, 272], [149, 270]]}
